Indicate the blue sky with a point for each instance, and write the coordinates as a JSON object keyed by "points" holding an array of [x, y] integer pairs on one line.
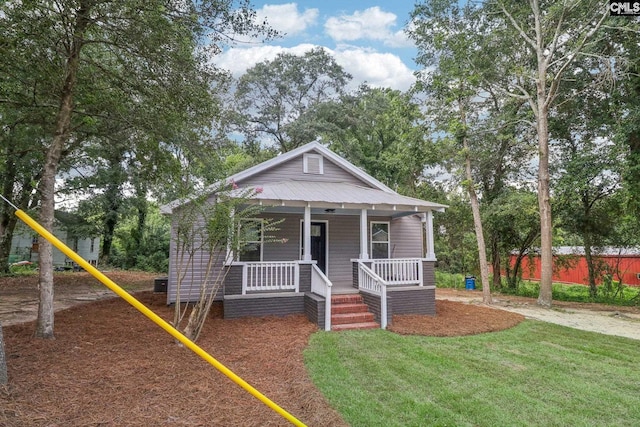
{"points": [[365, 37]]}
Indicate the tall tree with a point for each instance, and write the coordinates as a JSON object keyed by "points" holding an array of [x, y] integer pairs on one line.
{"points": [[149, 51], [539, 43], [446, 44], [272, 97]]}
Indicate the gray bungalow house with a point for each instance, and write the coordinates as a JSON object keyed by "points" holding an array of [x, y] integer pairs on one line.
{"points": [[355, 252]]}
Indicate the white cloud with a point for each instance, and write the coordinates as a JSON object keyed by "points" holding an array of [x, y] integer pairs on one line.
{"points": [[286, 18], [375, 68], [372, 23], [238, 60]]}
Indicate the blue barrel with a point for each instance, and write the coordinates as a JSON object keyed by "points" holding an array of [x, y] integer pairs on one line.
{"points": [[470, 283]]}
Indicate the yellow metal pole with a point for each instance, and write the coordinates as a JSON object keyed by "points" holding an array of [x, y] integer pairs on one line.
{"points": [[154, 317]]}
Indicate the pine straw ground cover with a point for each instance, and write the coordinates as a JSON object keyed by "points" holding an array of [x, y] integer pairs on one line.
{"points": [[109, 366]]}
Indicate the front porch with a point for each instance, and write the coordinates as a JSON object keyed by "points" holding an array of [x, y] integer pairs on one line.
{"points": [[386, 286]]}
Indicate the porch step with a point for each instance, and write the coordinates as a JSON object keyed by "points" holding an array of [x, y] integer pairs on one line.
{"points": [[349, 308], [346, 299], [346, 318], [350, 312]]}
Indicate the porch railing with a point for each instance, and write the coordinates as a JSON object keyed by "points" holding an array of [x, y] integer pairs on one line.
{"points": [[321, 285], [270, 276], [369, 281], [399, 271]]}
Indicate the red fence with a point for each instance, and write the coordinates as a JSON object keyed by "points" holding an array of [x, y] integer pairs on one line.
{"points": [[573, 268]]}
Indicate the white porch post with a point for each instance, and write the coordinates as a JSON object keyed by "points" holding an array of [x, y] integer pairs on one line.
{"points": [[306, 231], [364, 239], [428, 229]]}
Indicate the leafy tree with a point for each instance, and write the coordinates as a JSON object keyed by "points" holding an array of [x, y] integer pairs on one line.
{"points": [[513, 216], [272, 97], [583, 193], [208, 233], [142, 246], [446, 44], [79, 50], [381, 131], [538, 43], [455, 241]]}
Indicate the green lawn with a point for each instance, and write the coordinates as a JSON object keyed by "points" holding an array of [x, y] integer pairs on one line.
{"points": [[534, 374]]}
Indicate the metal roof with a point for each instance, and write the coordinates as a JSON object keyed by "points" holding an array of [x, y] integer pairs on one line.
{"points": [[339, 195]]}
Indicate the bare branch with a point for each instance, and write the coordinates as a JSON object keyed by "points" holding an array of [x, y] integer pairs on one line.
{"points": [[515, 24]]}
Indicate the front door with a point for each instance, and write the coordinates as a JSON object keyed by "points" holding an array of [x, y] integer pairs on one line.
{"points": [[318, 243]]}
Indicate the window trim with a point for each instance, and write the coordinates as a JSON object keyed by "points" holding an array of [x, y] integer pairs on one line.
{"points": [[388, 241]]}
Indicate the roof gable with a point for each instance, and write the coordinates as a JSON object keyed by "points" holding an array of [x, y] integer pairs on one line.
{"points": [[312, 147]]}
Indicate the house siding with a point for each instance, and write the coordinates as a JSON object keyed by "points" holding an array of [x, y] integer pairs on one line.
{"points": [[292, 170], [22, 246], [406, 237], [196, 272], [289, 229]]}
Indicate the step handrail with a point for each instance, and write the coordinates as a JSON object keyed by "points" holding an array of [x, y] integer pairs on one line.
{"points": [[370, 282], [321, 285]]}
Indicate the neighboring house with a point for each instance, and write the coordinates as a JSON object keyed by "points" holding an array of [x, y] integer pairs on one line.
{"points": [[24, 245], [619, 262], [345, 235]]}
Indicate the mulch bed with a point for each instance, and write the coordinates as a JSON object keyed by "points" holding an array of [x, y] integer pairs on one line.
{"points": [[108, 366], [455, 319]]}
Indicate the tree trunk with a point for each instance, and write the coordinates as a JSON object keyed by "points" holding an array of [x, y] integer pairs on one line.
{"points": [[477, 219], [588, 256], [7, 226], [497, 273], [138, 234], [44, 326], [544, 200], [112, 206], [3, 361], [7, 219], [546, 225]]}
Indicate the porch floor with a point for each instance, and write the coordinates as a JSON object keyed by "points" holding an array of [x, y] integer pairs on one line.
{"points": [[343, 289]]}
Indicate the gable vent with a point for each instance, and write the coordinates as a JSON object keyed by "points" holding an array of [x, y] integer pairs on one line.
{"points": [[312, 164]]}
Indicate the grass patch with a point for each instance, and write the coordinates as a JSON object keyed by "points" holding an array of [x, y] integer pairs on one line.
{"points": [[534, 374], [626, 295], [608, 293], [452, 280]]}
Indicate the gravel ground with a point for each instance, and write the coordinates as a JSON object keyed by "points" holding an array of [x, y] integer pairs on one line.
{"points": [[601, 318]]}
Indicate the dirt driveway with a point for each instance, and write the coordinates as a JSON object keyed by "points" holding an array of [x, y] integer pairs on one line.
{"points": [[601, 318], [19, 295]]}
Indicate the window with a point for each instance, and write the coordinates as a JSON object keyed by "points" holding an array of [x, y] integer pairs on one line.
{"points": [[380, 240], [250, 240], [312, 163]]}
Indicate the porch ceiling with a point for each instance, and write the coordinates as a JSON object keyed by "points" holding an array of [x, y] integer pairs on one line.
{"points": [[341, 196]]}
